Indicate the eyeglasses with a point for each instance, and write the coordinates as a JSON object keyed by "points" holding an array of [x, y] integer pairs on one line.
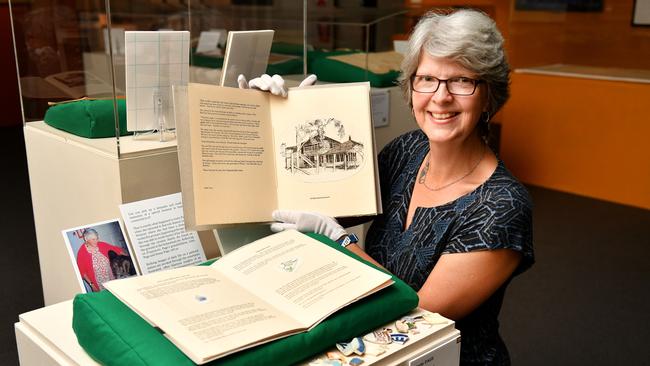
{"points": [[456, 86]]}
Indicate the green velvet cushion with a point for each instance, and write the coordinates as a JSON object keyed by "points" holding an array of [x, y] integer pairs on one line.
{"points": [[288, 67], [91, 118], [212, 62], [286, 48], [112, 334]]}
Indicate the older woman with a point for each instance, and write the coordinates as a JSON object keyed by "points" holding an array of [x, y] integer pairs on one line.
{"points": [[456, 225], [93, 260]]}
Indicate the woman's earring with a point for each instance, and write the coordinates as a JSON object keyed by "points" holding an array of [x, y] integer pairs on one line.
{"points": [[487, 118]]}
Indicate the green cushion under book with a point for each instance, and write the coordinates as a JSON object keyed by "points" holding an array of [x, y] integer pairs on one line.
{"points": [[112, 334], [91, 118]]}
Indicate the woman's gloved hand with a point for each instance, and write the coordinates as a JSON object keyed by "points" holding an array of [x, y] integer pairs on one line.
{"points": [[307, 222], [273, 84]]}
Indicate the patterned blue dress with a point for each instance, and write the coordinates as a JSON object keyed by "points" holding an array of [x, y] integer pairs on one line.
{"points": [[497, 214]]}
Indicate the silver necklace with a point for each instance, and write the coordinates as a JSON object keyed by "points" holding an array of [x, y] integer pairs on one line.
{"points": [[425, 170]]}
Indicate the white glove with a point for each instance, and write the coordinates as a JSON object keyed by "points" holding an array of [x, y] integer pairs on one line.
{"points": [[273, 84], [307, 222]]}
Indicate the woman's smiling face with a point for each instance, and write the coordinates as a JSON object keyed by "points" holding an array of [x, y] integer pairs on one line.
{"points": [[444, 117], [91, 239]]}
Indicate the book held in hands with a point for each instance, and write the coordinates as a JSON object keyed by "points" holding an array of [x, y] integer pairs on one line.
{"points": [[244, 153]]}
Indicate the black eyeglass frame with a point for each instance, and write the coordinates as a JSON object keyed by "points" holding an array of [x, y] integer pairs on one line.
{"points": [[440, 81]]}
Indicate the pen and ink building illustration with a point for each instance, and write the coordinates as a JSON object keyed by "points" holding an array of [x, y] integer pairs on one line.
{"points": [[315, 152]]}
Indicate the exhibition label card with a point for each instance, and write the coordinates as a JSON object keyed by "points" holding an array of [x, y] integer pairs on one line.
{"points": [[157, 231]]}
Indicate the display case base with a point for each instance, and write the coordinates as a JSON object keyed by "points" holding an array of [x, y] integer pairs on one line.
{"points": [[45, 337]]}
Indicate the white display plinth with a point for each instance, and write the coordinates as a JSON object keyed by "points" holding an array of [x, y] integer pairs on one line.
{"points": [[76, 181], [45, 337]]}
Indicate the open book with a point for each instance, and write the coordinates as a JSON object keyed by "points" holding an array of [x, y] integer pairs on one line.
{"points": [[283, 284], [244, 153]]}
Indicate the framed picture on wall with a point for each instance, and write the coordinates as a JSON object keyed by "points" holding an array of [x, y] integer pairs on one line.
{"points": [[641, 13]]}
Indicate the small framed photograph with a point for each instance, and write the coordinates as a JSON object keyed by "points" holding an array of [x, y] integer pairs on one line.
{"points": [[99, 253]]}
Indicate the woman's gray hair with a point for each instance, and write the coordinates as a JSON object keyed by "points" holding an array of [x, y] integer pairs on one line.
{"points": [[469, 37], [89, 232]]}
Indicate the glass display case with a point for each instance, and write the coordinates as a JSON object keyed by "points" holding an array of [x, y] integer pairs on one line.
{"points": [[82, 68], [355, 44], [66, 52]]}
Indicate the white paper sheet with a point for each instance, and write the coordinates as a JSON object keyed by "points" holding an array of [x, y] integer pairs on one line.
{"points": [[158, 236]]}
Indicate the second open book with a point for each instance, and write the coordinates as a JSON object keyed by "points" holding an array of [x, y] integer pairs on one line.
{"points": [[245, 153], [274, 287]]}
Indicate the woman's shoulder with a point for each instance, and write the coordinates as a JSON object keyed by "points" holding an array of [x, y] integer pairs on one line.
{"points": [[499, 217], [503, 187], [82, 251]]}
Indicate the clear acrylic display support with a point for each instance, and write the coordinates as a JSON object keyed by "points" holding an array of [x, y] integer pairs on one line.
{"points": [[161, 132]]}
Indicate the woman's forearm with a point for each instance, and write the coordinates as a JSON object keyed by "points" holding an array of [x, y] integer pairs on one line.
{"points": [[354, 248]]}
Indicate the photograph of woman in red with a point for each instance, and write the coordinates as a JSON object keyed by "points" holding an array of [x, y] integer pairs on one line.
{"points": [[99, 261]]}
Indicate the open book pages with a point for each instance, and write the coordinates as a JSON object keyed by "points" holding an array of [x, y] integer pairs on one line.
{"points": [[245, 153], [274, 287]]}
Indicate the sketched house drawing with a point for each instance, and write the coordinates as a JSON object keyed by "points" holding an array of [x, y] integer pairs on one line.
{"points": [[320, 154]]}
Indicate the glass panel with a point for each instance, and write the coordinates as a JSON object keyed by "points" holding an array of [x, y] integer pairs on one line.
{"points": [[65, 51], [352, 43], [50, 40], [284, 17], [61, 56]]}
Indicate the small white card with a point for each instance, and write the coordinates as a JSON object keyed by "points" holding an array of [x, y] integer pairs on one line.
{"points": [[157, 231], [380, 105], [208, 42]]}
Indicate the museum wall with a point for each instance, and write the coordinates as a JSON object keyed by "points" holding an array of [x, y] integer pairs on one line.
{"points": [[603, 39]]}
